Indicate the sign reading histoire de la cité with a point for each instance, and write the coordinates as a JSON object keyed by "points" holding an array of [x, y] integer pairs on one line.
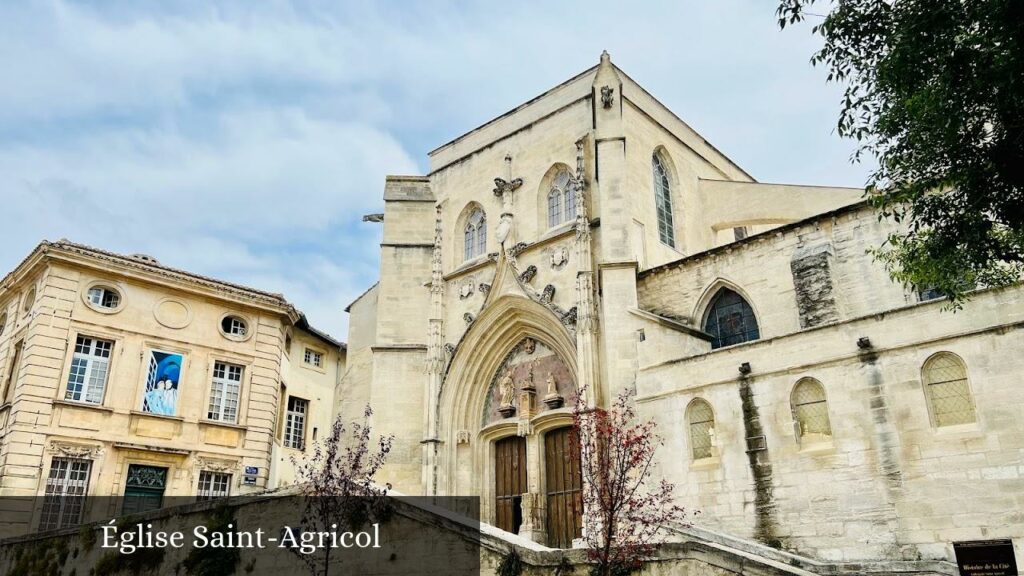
{"points": [[985, 558]]}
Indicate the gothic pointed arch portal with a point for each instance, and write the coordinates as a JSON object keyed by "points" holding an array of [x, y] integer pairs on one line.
{"points": [[500, 439]]}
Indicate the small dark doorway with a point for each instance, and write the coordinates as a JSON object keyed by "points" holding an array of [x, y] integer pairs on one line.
{"points": [[564, 482], [509, 482]]}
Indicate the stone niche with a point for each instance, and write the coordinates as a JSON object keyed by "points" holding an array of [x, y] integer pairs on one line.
{"points": [[529, 363]]}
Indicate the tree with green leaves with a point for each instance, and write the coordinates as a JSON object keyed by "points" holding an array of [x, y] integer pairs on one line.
{"points": [[934, 90]]}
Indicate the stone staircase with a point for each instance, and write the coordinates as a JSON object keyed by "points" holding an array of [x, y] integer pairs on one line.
{"points": [[692, 551]]}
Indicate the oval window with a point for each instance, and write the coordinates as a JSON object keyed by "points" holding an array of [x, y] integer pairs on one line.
{"points": [[234, 326], [104, 297]]}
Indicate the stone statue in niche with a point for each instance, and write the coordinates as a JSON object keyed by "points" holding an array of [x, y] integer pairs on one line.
{"points": [[507, 389], [553, 398]]}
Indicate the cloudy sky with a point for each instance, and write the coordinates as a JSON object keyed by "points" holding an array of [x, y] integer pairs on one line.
{"points": [[245, 141]]}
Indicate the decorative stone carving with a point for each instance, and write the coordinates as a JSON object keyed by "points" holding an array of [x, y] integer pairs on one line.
{"points": [[517, 249], [607, 96], [529, 345], [524, 428], [548, 295], [569, 319], [462, 437], [468, 318], [466, 289], [484, 288], [528, 274], [559, 257], [501, 186], [71, 450], [449, 348], [214, 465]]}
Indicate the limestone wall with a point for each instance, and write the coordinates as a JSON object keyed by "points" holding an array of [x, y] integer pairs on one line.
{"points": [[888, 483], [163, 315]]}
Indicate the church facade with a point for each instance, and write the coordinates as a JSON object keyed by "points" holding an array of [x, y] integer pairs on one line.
{"points": [[590, 240]]}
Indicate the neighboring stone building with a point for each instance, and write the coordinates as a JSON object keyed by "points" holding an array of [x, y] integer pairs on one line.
{"points": [[124, 377], [591, 239], [312, 366]]}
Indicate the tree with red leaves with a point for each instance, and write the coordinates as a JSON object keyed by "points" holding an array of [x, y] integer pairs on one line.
{"points": [[338, 484], [624, 508]]}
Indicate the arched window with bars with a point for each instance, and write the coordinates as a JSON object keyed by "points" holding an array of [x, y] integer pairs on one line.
{"points": [[730, 320], [475, 235], [663, 201], [810, 411], [561, 199], [700, 419], [948, 393]]}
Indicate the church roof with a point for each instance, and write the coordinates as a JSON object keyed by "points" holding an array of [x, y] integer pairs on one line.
{"points": [[568, 92]]}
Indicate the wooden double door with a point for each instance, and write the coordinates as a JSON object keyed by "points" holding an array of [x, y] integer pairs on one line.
{"points": [[562, 485]]}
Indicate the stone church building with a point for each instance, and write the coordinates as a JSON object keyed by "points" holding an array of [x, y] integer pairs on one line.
{"points": [[591, 240]]}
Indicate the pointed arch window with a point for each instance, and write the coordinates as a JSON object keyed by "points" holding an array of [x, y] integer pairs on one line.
{"points": [[663, 201], [561, 199], [730, 320], [475, 235], [701, 421], [947, 390], [810, 411]]}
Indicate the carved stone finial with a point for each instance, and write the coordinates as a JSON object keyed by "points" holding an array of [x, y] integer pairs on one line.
{"points": [[468, 318], [548, 295], [528, 274]]}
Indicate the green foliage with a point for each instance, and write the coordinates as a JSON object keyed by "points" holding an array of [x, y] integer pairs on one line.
{"points": [[40, 558], [934, 89], [87, 536], [511, 564]]}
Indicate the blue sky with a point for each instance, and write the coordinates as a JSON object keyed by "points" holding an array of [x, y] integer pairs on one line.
{"points": [[245, 140]]}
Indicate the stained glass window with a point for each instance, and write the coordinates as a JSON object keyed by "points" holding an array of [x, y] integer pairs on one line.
{"points": [[730, 320]]}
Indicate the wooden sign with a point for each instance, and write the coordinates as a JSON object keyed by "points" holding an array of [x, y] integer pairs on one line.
{"points": [[985, 558]]}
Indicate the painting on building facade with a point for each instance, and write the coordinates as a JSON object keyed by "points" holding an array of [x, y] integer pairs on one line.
{"points": [[162, 379]]}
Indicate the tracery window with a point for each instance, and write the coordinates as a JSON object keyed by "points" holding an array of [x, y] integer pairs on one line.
{"points": [[561, 199], [730, 320], [701, 421], [810, 410], [475, 235], [947, 390], [663, 201]]}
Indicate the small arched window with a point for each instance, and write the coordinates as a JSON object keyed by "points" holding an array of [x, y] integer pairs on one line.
{"points": [[663, 201], [561, 199], [701, 421], [810, 410], [475, 235], [730, 320], [947, 390]]}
